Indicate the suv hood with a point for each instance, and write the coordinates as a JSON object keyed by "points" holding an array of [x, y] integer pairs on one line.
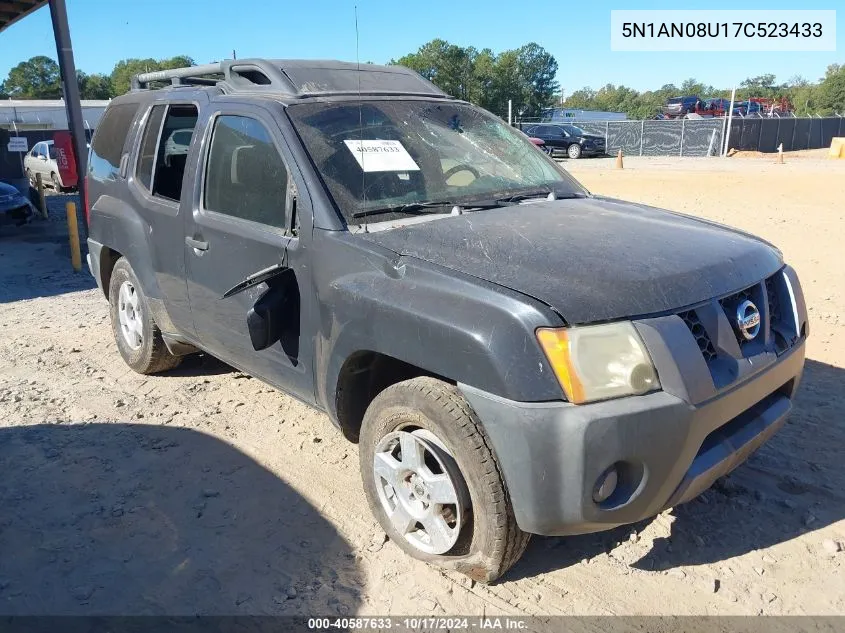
{"points": [[591, 259]]}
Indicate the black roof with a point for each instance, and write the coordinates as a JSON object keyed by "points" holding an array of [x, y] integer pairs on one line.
{"points": [[297, 78]]}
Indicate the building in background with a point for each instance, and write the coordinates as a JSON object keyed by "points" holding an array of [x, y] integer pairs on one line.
{"points": [[37, 114]]}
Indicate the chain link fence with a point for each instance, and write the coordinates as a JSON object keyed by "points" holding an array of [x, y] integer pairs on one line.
{"points": [[705, 137]]}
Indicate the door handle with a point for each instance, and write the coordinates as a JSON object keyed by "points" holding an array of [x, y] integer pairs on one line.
{"points": [[196, 244]]}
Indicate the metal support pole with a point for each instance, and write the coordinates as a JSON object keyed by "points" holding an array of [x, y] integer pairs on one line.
{"points": [[730, 120], [510, 112], [642, 135], [683, 129], [67, 67]]}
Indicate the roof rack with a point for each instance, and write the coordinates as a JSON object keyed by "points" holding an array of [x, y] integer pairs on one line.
{"points": [[296, 78]]}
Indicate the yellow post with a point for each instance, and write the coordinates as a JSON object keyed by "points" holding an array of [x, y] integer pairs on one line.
{"points": [[73, 235], [619, 164], [39, 183]]}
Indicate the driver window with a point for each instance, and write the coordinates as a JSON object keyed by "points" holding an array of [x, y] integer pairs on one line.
{"points": [[245, 176]]}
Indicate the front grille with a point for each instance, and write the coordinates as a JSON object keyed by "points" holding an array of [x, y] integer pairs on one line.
{"points": [[700, 334], [769, 296]]}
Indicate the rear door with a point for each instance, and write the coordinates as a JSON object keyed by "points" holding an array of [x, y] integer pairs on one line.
{"points": [[242, 222], [156, 174]]}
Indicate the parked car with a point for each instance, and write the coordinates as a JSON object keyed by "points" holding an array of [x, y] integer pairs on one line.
{"points": [[15, 207], [42, 159], [567, 139], [512, 354], [680, 106]]}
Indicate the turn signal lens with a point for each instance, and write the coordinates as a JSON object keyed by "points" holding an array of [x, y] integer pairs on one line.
{"points": [[597, 362]]}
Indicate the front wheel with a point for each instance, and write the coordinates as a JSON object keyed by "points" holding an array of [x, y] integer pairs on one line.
{"points": [[433, 483], [574, 151], [57, 184]]}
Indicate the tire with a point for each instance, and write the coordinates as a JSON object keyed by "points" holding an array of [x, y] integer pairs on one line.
{"points": [[57, 184], [549, 150], [574, 151], [150, 355], [31, 178], [486, 539]]}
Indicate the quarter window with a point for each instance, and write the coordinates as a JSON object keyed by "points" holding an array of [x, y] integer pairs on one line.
{"points": [[245, 175], [107, 144]]}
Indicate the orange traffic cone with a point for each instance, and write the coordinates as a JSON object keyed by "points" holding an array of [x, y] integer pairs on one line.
{"points": [[619, 164]]}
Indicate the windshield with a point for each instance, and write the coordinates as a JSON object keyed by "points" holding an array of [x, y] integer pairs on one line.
{"points": [[390, 153]]}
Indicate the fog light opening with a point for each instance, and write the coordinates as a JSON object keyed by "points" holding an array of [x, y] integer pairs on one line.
{"points": [[606, 484]]}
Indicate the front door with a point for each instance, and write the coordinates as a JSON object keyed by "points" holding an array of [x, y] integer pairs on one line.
{"points": [[240, 224]]}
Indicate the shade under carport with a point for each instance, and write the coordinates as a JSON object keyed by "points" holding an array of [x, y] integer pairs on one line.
{"points": [[13, 10]]}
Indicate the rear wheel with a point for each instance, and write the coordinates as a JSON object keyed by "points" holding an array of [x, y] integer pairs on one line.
{"points": [[136, 334], [574, 151], [433, 483]]}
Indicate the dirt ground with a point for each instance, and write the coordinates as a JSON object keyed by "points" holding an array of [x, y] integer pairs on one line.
{"points": [[205, 491]]}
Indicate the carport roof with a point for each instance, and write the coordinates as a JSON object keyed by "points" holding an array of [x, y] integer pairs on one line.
{"points": [[13, 10]]}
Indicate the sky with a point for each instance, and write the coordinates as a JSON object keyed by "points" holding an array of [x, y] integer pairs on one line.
{"points": [[577, 34]]}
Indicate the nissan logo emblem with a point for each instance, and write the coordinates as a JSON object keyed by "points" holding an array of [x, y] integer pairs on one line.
{"points": [[748, 320]]}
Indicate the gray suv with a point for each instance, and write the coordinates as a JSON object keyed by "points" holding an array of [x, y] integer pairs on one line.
{"points": [[512, 354]]}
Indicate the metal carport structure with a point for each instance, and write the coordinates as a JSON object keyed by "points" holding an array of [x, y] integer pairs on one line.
{"points": [[13, 10]]}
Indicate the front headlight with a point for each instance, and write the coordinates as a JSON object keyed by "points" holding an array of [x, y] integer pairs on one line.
{"points": [[596, 362]]}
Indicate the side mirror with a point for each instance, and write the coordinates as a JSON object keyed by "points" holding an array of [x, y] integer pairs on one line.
{"points": [[265, 320]]}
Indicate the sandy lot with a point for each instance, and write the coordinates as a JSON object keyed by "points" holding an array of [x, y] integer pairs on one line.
{"points": [[205, 491]]}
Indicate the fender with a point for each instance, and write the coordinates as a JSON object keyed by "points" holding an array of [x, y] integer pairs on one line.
{"points": [[121, 228], [455, 326]]}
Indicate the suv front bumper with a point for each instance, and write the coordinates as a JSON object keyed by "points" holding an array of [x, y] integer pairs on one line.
{"points": [[665, 450]]}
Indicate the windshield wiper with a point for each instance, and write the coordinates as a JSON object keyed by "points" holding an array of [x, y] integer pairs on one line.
{"points": [[540, 193], [416, 207], [410, 207]]}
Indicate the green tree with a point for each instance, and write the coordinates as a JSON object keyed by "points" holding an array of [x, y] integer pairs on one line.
{"points": [[760, 86], [525, 75], [96, 86], [830, 94], [36, 78], [125, 69]]}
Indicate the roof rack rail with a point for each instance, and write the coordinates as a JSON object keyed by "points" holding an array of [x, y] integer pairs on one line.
{"points": [[295, 78]]}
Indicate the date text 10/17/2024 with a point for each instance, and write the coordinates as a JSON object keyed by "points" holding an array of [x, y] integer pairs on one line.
{"points": [[421, 623]]}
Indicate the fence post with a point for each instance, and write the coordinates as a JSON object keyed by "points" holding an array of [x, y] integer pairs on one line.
{"points": [[73, 236], [730, 118], [642, 134], [683, 129], [606, 135], [42, 199]]}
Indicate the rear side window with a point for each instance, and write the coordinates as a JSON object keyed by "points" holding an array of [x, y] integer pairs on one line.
{"points": [[107, 145], [245, 175], [172, 154], [149, 143]]}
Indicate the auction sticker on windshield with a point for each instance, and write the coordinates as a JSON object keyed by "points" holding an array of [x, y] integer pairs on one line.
{"points": [[381, 155]]}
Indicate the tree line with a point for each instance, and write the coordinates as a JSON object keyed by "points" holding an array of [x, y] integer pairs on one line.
{"points": [[526, 76], [825, 97], [39, 78]]}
